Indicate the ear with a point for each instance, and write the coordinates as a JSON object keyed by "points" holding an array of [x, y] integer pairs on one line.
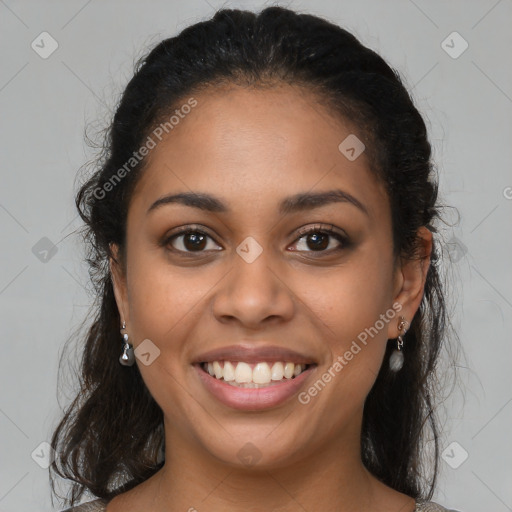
{"points": [[118, 276], [409, 281]]}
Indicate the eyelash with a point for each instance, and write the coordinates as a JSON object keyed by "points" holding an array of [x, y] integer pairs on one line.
{"points": [[343, 239]]}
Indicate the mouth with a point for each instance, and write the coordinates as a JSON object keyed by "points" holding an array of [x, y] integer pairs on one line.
{"points": [[259, 375], [253, 386]]}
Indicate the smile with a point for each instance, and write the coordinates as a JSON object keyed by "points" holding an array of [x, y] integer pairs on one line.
{"points": [[253, 386], [250, 375]]}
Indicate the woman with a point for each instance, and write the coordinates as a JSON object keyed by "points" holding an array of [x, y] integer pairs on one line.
{"points": [[270, 308]]}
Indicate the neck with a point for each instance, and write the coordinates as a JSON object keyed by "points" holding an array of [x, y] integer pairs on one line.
{"points": [[330, 477]]}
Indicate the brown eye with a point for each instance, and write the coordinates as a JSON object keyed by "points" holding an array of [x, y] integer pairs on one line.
{"points": [[317, 241], [190, 240], [194, 241], [321, 240]]}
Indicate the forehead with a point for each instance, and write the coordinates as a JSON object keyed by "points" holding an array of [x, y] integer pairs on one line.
{"points": [[256, 146]]}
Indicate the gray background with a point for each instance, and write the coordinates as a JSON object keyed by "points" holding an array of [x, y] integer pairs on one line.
{"points": [[46, 103]]}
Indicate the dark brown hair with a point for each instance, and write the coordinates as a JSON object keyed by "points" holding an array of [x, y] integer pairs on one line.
{"points": [[111, 435]]}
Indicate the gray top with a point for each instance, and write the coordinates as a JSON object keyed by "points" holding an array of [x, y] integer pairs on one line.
{"points": [[100, 505]]}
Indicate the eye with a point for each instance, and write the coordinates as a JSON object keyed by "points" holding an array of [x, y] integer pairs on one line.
{"points": [[320, 239], [189, 240]]}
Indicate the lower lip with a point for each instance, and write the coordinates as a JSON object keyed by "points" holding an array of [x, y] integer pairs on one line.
{"points": [[253, 399]]}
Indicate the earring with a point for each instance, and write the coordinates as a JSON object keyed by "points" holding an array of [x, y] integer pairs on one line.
{"points": [[396, 361], [127, 358]]}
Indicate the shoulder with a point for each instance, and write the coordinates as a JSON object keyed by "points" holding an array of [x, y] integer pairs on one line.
{"points": [[430, 506], [98, 505]]}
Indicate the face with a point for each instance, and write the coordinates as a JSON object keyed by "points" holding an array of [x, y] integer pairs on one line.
{"points": [[262, 271]]}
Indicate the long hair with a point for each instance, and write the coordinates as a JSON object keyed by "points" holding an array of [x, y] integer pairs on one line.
{"points": [[110, 437]]}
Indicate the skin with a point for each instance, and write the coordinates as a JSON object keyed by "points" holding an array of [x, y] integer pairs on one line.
{"points": [[253, 148]]}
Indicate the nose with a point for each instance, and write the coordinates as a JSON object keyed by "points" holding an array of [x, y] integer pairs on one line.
{"points": [[254, 294]]}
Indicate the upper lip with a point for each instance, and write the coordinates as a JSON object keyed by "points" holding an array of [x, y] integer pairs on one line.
{"points": [[250, 353]]}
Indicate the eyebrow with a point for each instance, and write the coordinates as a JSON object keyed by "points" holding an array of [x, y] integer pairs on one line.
{"points": [[292, 204]]}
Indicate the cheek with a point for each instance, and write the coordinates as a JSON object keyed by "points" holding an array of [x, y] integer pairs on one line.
{"points": [[162, 296], [347, 300], [348, 306], [165, 305], [355, 338]]}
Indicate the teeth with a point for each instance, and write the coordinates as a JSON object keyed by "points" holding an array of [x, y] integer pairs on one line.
{"points": [[217, 368], [277, 371], [228, 372], [261, 374], [247, 376], [289, 368], [243, 373]]}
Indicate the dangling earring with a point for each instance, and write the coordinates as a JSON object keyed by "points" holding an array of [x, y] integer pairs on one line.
{"points": [[127, 358], [396, 361]]}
